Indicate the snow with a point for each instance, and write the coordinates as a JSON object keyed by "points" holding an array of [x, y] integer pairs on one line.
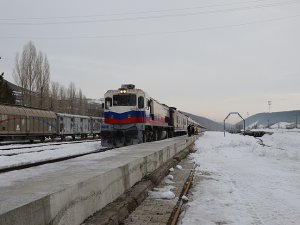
{"points": [[168, 179], [179, 167], [162, 193], [9, 158], [184, 198], [85, 163], [279, 125], [252, 125], [16, 146], [278, 130], [282, 125], [171, 169], [242, 182], [276, 126], [21, 145], [281, 146]]}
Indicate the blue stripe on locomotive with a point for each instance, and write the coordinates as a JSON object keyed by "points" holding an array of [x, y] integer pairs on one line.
{"points": [[125, 115]]}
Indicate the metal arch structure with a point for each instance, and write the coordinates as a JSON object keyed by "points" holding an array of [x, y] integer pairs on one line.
{"points": [[234, 113]]}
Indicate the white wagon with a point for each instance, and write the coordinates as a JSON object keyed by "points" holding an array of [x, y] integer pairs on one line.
{"points": [[73, 125]]}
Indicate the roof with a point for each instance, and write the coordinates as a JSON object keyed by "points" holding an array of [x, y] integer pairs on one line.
{"points": [[18, 110], [72, 115]]}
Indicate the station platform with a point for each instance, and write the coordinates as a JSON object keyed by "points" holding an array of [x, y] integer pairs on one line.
{"points": [[70, 191]]}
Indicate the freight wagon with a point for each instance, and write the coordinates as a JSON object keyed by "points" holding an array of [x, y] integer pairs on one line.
{"points": [[26, 123], [22, 123]]}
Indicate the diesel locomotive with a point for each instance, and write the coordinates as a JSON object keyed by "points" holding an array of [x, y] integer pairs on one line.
{"points": [[131, 116]]}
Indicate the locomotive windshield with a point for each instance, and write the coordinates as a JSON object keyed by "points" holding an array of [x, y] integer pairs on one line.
{"points": [[124, 100]]}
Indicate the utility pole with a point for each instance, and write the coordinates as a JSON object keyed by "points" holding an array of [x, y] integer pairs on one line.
{"points": [[269, 103]]}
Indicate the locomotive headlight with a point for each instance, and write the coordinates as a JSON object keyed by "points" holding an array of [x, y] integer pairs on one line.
{"points": [[123, 91]]}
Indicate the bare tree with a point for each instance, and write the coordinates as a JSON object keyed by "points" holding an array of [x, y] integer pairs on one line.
{"points": [[29, 61], [53, 99], [63, 104], [80, 102], [72, 98], [42, 70], [85, 104], [20, 77], [32, 73]]}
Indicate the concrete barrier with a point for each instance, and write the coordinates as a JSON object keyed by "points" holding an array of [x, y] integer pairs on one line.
{"points": [[86, 186]]}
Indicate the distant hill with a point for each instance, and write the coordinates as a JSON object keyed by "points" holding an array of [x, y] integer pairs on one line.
{"points": [[268, 119], [207, 123]]}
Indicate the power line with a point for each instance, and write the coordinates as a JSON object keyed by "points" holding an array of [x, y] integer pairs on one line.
{"points": [[159, 33], [149, 17], [131, 13]]}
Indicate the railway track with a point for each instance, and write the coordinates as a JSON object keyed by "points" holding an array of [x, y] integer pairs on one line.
{"points": [[44, 145], [9, 153], [48, 161]]}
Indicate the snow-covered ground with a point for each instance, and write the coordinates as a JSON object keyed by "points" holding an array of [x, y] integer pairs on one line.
{"points": [[18, 146], [242, 182], [9, 158], [27, 145], [278, 130], [280, 125]]}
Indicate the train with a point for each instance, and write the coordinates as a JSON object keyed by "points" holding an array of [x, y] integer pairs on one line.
{"points": [[131, 116], [23, 123]]}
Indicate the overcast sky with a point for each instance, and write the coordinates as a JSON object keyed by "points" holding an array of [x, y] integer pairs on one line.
{"points": [[206, 57]]}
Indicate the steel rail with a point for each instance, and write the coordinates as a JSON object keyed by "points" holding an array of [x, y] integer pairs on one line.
{"points": [[44, 145], [187, 186], [49, 161]]}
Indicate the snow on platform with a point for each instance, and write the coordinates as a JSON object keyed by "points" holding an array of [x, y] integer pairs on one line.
{"points": [[242, 182], [17, 157]]}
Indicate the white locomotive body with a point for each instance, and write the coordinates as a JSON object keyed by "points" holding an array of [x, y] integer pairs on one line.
{"points": [[131, 116]]}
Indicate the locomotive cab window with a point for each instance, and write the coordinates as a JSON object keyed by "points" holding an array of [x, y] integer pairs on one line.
{"points": [[141, 102], [108, 102], [124, 100]]}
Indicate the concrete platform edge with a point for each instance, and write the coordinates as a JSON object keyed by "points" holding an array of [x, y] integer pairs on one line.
{"points": [[116, 212], [76, 203]]}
